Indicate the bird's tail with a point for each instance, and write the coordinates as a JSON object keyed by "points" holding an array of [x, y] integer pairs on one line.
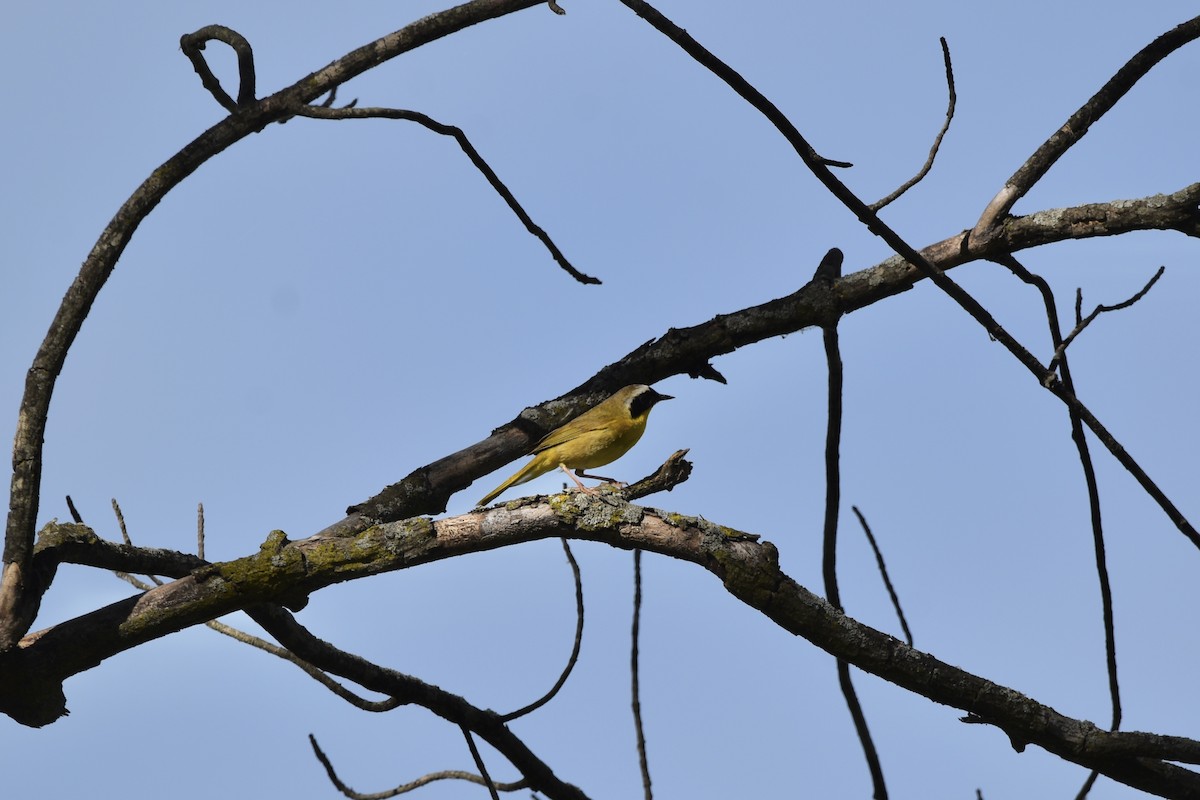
{"points": [[526, 473]]}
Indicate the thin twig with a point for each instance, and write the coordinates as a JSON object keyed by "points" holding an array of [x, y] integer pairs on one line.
{"points": [[1081, 323], [121, 521], [574, 657], [937, 140], [376, 706], [1087, 785], [634, 691], [74, 511], [322, 112], [483, 773], [883, 572], [125, 537], [200, 530]]}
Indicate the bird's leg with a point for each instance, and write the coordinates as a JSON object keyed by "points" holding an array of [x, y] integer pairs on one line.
{"points": [[583, 474], [578, 483]]}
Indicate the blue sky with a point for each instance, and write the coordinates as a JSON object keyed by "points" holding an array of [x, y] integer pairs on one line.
{"points": [[328, 305]]}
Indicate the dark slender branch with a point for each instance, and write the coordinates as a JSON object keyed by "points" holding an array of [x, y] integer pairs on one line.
{"points": [[874, 224], [193, 45], [574, 657], [74, 511], [634, 689], [1076, 127], [321, 112], [483, 773], [883, 572], [833, 499], [1088, 783], [937, 140], [1082, 322], [1093, 493]]}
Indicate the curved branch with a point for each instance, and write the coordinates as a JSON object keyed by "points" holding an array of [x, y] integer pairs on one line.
{"points": [[20, 588], [193, 45], [937, 140], [749, 571], [573, 659], [323, 112], [1078, 124]]}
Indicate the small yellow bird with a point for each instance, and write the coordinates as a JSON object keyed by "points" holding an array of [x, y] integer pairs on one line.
{"points": [[598, 436]]}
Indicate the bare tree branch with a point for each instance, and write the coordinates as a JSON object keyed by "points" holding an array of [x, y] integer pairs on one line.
{"points": [[1081, 323], [635, 694], [883, 571], [321, 112], [1078, 124], [749, 571], [483, 772], [827, 272], [937, 140]]}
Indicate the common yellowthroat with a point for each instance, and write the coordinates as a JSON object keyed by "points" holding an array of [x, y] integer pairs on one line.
{"points": [[598, 436]]}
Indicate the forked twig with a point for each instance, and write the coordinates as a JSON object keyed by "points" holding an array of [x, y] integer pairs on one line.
{"points": [[345, 112], [937, 140], [1082, 322]]}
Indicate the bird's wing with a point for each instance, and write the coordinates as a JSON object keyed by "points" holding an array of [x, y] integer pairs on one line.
{"points": [[570, 431]]}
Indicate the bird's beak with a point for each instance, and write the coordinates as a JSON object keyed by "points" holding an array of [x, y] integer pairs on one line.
{"points": [[662, 397]]}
